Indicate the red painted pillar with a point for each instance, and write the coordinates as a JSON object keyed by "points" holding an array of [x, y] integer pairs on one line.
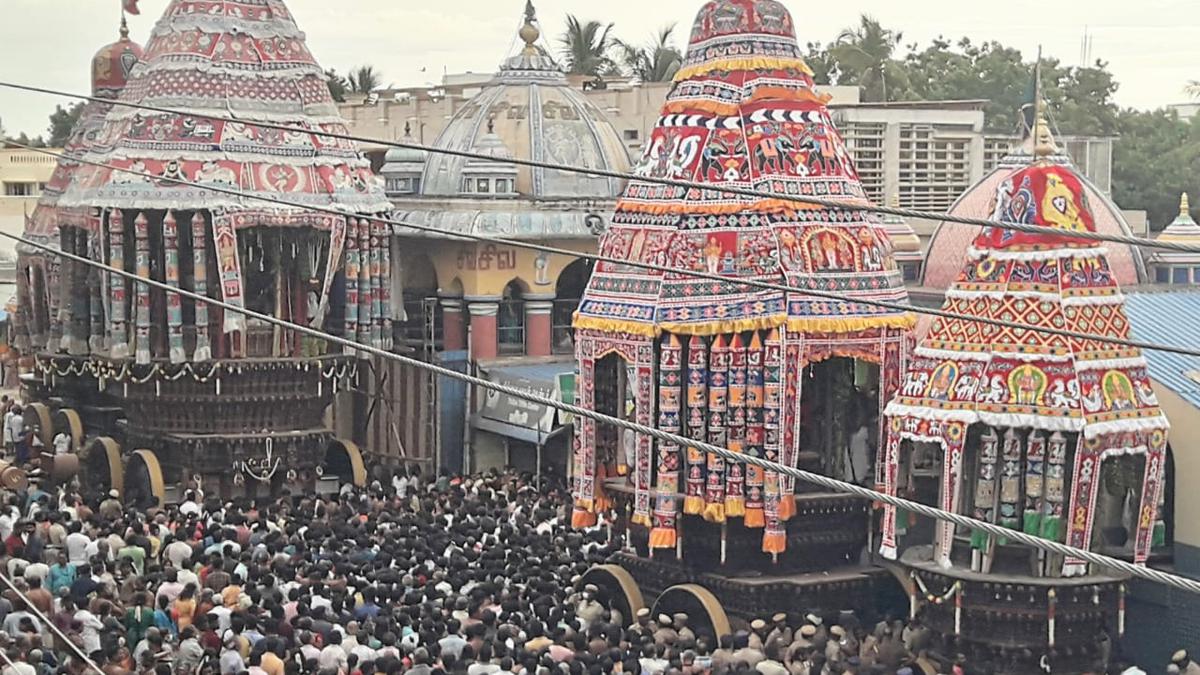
{"points": [[454, 326], [484, 343], [539, 330]]}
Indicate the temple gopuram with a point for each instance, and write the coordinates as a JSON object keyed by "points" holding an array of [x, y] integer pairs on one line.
{"points": [[158, 391], [1057, 437], [789, 377]]}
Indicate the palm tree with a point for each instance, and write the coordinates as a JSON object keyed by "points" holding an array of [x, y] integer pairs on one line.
{"points": [[1193, 88], [864, 57], [337, 85], [655, 62], [364, 80], [586, 47]]}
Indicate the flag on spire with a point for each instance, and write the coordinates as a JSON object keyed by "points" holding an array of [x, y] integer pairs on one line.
{"points": [[130, 6]]}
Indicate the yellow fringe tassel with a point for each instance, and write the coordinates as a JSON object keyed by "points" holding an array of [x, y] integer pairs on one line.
{"points": [[754, 518], [662, 537], [714, 513], [743, 63], [581, 519], [787, 507], [784, 206], [640, 519], [694, 106], [693, 505], [735, 507], [774, 543], [622, 469], [815, 324]]}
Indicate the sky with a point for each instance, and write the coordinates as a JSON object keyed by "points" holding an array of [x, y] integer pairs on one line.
{"points": [[1151, 45]]}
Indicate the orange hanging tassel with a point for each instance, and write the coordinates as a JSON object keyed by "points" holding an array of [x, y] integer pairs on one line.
{"points": [[755, 518], [662, 537], [787, 507], [774, 543], [581, 519]]}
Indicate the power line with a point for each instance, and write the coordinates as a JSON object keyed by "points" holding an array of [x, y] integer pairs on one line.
{"points": [[45, 620], [1147, 573], [754, 283], [670, 182]]}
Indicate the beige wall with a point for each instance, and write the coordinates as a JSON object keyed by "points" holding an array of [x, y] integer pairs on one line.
{"points": [[1185, 448], [20, 167]]}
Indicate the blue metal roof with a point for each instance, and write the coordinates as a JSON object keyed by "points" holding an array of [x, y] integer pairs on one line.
{"points": [[1169, 318]]}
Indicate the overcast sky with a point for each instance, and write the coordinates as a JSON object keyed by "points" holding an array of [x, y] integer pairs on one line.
{"points": [[1152, 46]]}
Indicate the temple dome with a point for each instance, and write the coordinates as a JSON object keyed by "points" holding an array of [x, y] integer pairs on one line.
{"points": [[950, 242], [113, 63], [1183, 229], [537, 115]]}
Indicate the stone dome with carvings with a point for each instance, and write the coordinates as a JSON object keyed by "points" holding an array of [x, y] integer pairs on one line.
{"points": [[528, 111]]}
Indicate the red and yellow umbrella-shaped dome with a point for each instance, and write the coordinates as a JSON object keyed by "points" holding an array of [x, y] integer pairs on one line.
{"points": [[968, 371], [744, 114]]}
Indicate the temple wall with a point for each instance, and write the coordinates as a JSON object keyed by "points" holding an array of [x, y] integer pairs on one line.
{"points": [[1185, 447], [485, 269], [1161, 620]]}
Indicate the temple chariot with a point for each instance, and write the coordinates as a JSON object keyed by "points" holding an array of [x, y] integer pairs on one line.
{"points": [[157, 391], [1020, 428]]}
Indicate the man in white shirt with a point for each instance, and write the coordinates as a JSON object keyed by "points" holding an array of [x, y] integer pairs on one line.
{"points": [[62, 443], [332, 655], [77, 545], [14, 424], [90, 627]]}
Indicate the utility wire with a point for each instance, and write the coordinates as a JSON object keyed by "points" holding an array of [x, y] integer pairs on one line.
{"points": [[744, 283], [45, 620], [1123, 566], [670, 182]]}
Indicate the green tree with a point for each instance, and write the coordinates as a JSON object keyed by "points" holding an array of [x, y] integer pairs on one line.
{"points": [[587, 47], [821, 63], [364, 80], [657, 61], [62, 122], [864, 57], [1155, 158], [1193, 88], [337, 85]]}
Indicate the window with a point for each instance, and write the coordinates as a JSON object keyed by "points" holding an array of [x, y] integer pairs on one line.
{"points": [[510, 325], [502, 186], [481, 185], [1162, 275], [1179, 275], [632, 134], [910, 271], [18, 189], [1196, 275]]}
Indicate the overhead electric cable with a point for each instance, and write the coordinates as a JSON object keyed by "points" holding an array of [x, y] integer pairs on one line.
{"points": [[1150, 574], [670, 182], [752, 283]]}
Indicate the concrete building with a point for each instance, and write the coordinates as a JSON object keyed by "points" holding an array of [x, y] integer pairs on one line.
{"points": [[23, 174]]}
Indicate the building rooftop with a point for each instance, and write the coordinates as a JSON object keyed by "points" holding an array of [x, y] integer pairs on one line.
{"points": [[1169, 318]]}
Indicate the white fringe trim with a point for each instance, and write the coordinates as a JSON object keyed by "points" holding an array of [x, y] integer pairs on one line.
{"points": [[312, 114], [194, 154], [1073, 424], [898, 409], [951, 355], [1116, 298], [1049, 254], [1130, 362], [178, 23], [969, 294], [1158, 422], [174, 63]]}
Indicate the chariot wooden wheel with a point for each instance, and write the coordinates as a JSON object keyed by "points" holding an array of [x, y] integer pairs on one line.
{"points": [[144, 485], [37, 416], [618, 588], [103, 469], [68, 420], [705, 613]]}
